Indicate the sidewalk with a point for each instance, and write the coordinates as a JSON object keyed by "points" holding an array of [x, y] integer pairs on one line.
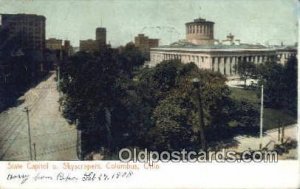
{"points": [[237, 83], [270, 138]]}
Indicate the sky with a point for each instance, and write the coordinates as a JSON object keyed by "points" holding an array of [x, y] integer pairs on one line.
{"points": [[251, 21]]}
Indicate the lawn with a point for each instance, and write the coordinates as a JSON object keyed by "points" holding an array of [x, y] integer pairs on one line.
{"points": [[273, 118]]}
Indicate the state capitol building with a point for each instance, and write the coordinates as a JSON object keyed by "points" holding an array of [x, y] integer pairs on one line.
{"points": [[206, 52]]}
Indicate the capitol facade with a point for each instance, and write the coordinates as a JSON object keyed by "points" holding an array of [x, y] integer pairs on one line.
{"points": [[206, 52]]}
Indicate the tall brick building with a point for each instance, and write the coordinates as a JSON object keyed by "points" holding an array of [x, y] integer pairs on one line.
{"points": [[144, 43], [28, 28], [101, 37]]}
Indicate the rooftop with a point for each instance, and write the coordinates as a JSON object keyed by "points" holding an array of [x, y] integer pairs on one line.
{"points": [[200, 20], [20, 16], [187, 45]]}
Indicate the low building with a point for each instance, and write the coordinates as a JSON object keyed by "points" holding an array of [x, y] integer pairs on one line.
{"points": [[218, 56], [88, 45], [54, 44], [92, 45]]}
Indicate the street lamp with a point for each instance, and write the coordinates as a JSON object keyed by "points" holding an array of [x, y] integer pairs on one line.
{"points": [[196, 83]]}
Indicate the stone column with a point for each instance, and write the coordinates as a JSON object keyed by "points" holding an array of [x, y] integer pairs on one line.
{"points": [[233, 64], [221, 65], [212, 63], [218, 65], [236, 64], [227, 66]]}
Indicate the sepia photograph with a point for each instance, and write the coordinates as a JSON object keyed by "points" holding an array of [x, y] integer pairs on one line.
{"points": [[148, 81]]}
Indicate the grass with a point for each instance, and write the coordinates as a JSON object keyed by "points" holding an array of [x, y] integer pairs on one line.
{"points": [[273, 118], [242, 94]]}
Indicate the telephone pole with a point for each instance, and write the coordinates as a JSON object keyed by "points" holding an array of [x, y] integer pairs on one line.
{"points": [[29, 133], [261, 115], [196, 83]]}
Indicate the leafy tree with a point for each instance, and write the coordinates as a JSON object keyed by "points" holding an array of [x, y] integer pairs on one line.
{"points": [[129, 59], [97, 92], [245, 114], [246, 70], [280, 84], [171, 95], [291, 82], [91, 87], [173, 130], [272, 75]]}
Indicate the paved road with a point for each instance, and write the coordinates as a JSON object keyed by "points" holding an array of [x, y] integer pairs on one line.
{"points": [[53, 137]]}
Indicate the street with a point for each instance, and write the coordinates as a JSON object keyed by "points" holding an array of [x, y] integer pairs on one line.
{"points": [[52, 138]]}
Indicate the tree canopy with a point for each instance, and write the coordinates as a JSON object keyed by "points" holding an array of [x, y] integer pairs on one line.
{"points": [[153, 107], [280, 84]]}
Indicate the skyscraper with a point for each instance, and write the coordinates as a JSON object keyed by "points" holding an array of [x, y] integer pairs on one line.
{"points": [[29, 30], [101, 36]]}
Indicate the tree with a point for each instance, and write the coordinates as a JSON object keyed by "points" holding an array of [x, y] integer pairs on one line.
{"points": [[91, 87], [171, 95], [245, 114], [291, 82], [280, 84], [173, 130], [272, 75], [130, 58], [246, 70], [97, 92]]}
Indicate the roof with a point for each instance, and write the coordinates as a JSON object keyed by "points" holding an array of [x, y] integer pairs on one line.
{"points": [[199, 20], [183, 45], [22, 16]]}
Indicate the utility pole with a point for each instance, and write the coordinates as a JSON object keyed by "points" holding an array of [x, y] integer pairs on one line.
{"points": [[79, 141], [29, 133], [261, 115], [282, 134], [196, 83], [58, 79], [278, 133]]}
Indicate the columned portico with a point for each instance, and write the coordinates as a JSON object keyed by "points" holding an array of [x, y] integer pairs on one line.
{"points": [[217, 59]]}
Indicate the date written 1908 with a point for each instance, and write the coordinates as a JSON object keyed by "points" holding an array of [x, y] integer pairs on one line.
{"points": [[91, 176]]}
